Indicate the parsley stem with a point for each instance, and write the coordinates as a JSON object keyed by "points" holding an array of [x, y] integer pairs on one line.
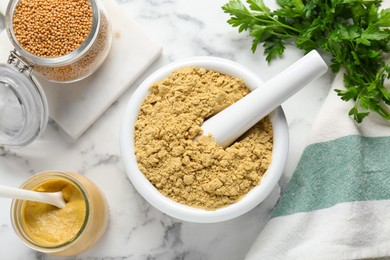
{"points": [[272, 20], [383, 112]]}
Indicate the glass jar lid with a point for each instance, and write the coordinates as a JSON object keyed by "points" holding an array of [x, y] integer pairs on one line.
{"points": [[23, 105]]}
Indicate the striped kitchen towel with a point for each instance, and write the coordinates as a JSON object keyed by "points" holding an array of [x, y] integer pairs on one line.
{"points": [[337, 204]]}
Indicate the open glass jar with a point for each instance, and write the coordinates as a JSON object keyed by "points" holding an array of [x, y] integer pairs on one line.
{"points": [[23, 105], [72, 66], [64, 232]]}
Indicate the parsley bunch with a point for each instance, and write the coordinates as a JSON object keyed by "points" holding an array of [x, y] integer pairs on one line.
{"points": [[354, 32]]}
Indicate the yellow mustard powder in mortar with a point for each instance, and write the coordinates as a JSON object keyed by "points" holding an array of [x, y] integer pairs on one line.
{"points": [[50, 226], [200, 174]]}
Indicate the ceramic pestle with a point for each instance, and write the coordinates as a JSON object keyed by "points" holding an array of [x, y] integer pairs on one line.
{"points": [[230, 123]]}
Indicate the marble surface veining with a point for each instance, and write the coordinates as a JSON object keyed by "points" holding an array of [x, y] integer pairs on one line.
{"points": [[136, 229]]}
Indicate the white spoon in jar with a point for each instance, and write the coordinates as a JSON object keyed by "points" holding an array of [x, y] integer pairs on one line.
{"points": [[229, 124], [52, 198]]}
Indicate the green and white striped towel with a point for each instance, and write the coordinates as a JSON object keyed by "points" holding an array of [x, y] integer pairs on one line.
{"points": [[337, 204]]}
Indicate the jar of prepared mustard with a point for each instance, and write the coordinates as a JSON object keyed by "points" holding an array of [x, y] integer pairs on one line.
{"points": [[67, 231], [62, 40]]}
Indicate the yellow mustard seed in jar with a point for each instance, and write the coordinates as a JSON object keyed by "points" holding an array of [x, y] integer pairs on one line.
{"points": [[52, 28], [61, 40], [83, 65]]}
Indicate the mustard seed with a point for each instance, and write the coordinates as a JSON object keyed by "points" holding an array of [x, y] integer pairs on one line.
{"points": [[87, 63], [52, 28]]}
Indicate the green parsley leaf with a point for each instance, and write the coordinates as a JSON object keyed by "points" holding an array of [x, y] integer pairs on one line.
{"points": [[354, 32]]}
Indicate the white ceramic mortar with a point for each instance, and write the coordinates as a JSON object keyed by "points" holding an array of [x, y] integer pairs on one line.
{"points": [[180, 211]]}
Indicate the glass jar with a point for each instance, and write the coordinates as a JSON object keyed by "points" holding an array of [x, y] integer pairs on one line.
{"points": [[93, 225], [72, 66], [23, 105]]}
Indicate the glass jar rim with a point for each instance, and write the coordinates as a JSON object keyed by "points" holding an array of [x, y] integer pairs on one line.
{"points": [[17, 205], [55, 61]]}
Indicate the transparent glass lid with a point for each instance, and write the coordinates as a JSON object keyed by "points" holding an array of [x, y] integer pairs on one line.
{"points": [[23, 107], [11, 111]]}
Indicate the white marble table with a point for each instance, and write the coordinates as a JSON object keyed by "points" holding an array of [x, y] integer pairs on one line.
{"points": [[137, 230]]}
